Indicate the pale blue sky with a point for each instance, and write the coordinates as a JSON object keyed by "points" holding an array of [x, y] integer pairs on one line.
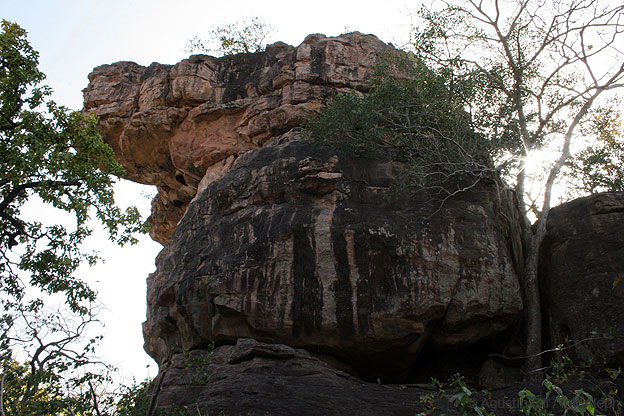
{"points": [[74, 36]]}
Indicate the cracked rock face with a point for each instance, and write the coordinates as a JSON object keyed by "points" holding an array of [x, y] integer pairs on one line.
{"points": [[260, 379], [298, 246], [174, 125], [581, 275], [294, 261], [272, 239]]}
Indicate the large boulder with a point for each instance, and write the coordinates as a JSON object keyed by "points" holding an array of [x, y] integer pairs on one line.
{"points": [[582, 276], [272, 239], [172, 125], [296, 245]]}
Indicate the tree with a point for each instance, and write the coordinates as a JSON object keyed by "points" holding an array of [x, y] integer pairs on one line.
{"points": [[57, 373], [410, 114], [539, 68], [599, 167], [240, 37], [134, 400], [522, 76], [55, 158]]}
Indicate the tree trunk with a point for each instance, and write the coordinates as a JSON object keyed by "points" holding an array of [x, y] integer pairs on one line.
{"points": [[2, 395], [533, 314], [530, 285]]}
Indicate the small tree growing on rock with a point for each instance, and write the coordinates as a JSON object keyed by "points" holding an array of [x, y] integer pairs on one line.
{"points": [[244, 36], [416, 118]]}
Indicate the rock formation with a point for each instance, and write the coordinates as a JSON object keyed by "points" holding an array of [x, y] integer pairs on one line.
{"points": [[582, 276], [293, 261], [175, 126], [251, 378], [295, 245], [272, 239]]}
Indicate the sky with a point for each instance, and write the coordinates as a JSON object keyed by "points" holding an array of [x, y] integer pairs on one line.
{"points": [[74, 36]]}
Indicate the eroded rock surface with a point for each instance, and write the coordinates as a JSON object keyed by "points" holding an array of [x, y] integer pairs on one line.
{"points": [[582, 276], [271, 239], [256, 379], [296, 245], [172, 125], [252, 378]]}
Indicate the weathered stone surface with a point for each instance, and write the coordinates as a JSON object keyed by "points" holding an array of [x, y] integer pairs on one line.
{"points": [[171, 124], [582, 275], [247, 379], [295, 245], [494, 375], [236, 382], [283, 246]]}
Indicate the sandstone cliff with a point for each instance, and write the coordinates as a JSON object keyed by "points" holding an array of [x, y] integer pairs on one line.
{"points": [[176, 126], [288, 259], [295, 245]]}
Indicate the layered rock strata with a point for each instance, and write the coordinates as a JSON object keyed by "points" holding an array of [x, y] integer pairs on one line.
{"points": [[255, 379], [175, 126], [252, 378], [272, 239]]}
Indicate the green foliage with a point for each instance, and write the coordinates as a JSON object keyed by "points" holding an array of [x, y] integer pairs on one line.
{"points": [[579, 403], [240, 37], [537, 70], [553, 401], [47, 398], [195, 364], [57, 370], [462, 398], [563, 368], [599, 167], [45, 393], [531, 404], [53, 160], [134, 400], [57, 156], [413, 115]]}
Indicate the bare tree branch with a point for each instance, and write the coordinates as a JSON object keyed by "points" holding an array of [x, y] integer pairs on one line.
{"points": [[544, 65]]}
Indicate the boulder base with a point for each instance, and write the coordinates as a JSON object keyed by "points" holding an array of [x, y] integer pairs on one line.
{"points": [[252, 378]]}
